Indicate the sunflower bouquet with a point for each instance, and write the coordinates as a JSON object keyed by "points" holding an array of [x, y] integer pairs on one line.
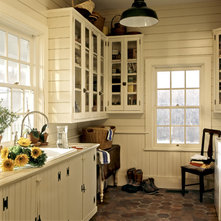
{"points": [[22, 154]]}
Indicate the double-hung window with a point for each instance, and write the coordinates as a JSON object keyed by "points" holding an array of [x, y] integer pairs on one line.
{"points": [[16, 79], [177, 109]]}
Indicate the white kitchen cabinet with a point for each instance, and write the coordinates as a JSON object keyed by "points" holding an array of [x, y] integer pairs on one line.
{"points": [[18, 201], [63, 191], [125, 74], [77, 60], [217, 70]]}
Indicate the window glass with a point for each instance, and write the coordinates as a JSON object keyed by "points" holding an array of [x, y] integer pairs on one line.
{"points": [[163, 79], [3, 73], [24, 50], [12, 46], [192, 78], [177, 79], [2, 43], [178, 107]]}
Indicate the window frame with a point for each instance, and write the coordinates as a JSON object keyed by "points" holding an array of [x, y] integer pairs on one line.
{"points": [[10, 86], [151, 64], [170, 69]]}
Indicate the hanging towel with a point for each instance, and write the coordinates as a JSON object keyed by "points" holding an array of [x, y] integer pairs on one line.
{"points": [[110, 134], [103, 156]]}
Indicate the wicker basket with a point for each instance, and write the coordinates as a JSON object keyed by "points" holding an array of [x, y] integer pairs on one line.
{"points": [[97, 135], [85, 8], [97, 20]]}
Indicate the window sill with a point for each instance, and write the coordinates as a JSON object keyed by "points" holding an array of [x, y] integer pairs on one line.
{"points": [[173, 149]]}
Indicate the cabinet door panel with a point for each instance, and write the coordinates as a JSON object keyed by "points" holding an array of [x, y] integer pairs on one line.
{"points": [[48, 202], [21, 201], [74, 189], [89, 180]]}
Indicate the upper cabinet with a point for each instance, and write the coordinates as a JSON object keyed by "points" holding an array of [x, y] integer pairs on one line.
{"points": [[77, 60], [125, 78], [217, 69]]}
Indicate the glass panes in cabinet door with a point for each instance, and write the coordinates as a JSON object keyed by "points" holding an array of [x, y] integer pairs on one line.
{"points": [[77, 31], [87, 83], [78, 68], [101, 92], [95, 80], [132, 73], [116, 73]]}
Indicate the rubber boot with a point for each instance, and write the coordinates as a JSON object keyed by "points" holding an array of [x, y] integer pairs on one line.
{"points": [[138, 177], [131, 175]]}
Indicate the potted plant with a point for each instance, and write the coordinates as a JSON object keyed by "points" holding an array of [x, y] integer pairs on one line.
{"points": [[6, 118], [38, 136]]}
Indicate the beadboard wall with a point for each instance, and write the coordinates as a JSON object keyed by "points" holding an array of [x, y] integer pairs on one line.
{"points": [[182, 31]]}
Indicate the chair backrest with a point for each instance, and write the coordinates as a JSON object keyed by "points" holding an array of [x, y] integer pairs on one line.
{"points": [[211, 132]]}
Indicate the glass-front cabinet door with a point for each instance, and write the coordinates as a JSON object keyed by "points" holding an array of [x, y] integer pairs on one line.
{"points": [[86, 89], [95, 73], [115, 100], [217, 59], [78, 67], [125, 75], [131, 94], [102, 75]]}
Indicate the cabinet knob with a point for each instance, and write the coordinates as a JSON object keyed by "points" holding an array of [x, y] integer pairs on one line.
{"points": [[84, 90], [38, 180], [100, 92], [124, 83]]}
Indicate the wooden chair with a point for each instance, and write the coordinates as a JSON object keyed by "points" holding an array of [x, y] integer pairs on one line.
{"points": [[201, 172]]}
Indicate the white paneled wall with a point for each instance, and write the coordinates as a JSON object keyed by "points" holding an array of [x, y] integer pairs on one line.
{"points": [[182, 31]]}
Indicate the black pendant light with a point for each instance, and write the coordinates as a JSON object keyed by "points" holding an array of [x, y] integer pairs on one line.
{"points": [[139, 15]]}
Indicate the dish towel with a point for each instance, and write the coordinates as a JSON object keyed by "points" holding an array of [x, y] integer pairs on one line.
{"points": [[103, 156], [110, 135]]}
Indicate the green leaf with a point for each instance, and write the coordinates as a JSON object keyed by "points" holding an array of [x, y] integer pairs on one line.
{"points": [[43, 128]]}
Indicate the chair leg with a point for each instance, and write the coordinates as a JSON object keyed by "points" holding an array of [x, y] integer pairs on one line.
{"points": [[183, 180], [201, 187]]}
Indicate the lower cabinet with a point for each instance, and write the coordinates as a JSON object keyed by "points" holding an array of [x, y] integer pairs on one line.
{"points": [[65, 191]]}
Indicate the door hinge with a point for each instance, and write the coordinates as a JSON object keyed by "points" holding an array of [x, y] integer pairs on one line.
{"points": [[68, 171], [108, 103], [139, 103], [215, 102], [140, 41], [94, 199], [94, 157], [214, 37], [59, 176], [83, 189], [5, 203]]}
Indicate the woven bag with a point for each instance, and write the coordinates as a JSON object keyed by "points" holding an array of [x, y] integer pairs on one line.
{"points": [[87, 5]]}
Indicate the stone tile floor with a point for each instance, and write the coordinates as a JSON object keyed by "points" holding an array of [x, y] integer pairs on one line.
{"points": [[164, 205]]}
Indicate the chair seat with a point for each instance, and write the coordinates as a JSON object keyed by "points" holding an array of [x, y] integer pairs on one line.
{"points": [[197, 170]]}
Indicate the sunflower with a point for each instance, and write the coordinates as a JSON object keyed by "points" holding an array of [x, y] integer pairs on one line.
{"points": [[21, 160], [24, 142], [7, 165], [4, 153], [36, 152]]}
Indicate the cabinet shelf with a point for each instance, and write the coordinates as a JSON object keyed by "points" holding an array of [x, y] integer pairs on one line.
{"points": [[116, 61], [77, 45], [131, 60]]}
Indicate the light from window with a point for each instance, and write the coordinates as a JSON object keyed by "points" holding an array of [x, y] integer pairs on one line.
{"points": [[178, 107], [16, 89]]}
